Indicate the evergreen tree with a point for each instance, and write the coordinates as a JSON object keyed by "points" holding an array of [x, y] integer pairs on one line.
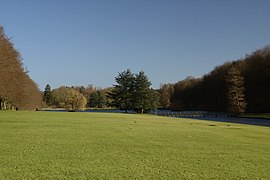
{"points": [[236, 98], [144, 97], [122, 94], [133, 92], [47, 95], [97, 100]]}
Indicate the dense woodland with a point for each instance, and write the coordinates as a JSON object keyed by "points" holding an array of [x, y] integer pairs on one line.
{"points": [[17, 90], [236, 86], [211, 91]]}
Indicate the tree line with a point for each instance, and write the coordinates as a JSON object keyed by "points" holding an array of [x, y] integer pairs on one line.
{"points": [[236, 86], [131, 93], [75, 97], [214, 91], [17, 90]]}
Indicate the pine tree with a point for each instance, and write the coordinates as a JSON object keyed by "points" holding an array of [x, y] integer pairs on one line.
{"points": [[144, 96], [97, 100], [122, 93], [133, 92], [47, 95], [235, 95]]}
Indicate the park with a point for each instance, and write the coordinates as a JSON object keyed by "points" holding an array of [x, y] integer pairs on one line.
{"points": [[134, 89], [79, 145]]}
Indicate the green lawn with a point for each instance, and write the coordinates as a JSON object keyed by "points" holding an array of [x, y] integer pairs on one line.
{"points": [[258, 115], [50, 145]]}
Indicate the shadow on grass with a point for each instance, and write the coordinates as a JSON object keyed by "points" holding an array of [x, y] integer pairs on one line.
{"points": [[239, 120]]}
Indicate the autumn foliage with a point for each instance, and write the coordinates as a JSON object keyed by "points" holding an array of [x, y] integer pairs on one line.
{"points": [[211, 91], [236, 103], [16, 87]]}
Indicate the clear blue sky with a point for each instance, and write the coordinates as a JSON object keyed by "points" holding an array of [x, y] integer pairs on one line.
{"points": [[81, 42]]}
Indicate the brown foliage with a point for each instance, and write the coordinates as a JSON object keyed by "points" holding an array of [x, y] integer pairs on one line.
{"points": [[16, 87], [235, 95], [210, 92], [165, 91]]}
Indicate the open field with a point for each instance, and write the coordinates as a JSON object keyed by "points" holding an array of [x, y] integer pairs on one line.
{"points": [[53, 145], [259, 115]]}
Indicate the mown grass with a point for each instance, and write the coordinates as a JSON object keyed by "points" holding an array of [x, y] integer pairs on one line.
{"points": [[51, 145], [257, 115]]}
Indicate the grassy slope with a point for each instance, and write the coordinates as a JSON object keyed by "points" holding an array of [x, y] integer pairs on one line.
{"points": [[47, 145]]}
